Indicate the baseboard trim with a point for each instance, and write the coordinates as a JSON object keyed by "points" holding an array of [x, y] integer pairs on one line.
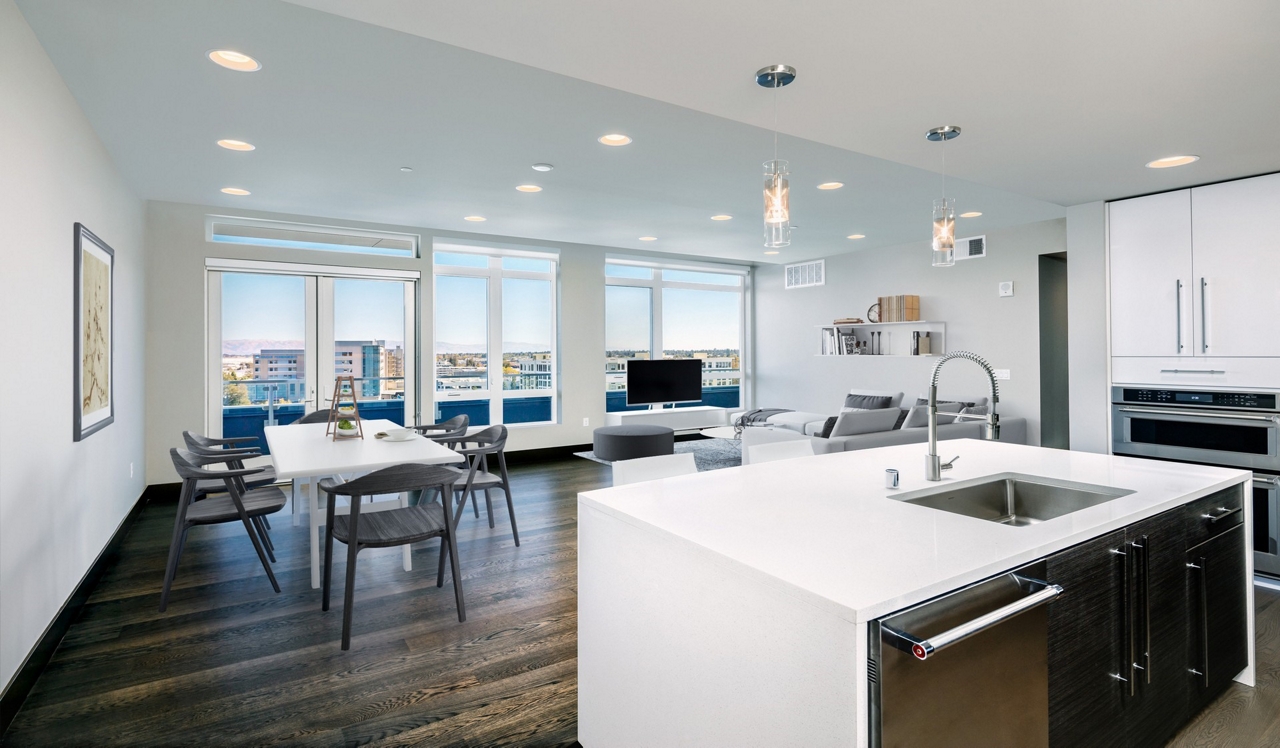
{"points": [[544, 454], [16, 691]]}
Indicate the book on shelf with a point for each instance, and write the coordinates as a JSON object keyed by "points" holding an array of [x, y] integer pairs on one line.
{"points": [[901, 308]]}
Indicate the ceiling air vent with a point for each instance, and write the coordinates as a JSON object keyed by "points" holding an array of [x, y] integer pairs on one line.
{"points": [[971, 248], [806, 274]]}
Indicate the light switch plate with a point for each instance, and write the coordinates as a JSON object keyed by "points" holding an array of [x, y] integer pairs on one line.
{"points": [[1001, 373], [1006, 288]]}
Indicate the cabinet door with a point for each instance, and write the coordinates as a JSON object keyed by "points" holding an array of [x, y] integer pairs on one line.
{"points": [[1159, 612], [1087, 644], [1219, 647], [1236, 284], [1149, 243]]}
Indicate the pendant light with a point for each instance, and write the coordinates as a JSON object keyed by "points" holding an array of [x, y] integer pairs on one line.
{"points": [[777, 202], [944, 210]]}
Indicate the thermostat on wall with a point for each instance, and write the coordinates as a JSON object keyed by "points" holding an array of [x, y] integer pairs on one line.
{"points": [[1006, 288]]}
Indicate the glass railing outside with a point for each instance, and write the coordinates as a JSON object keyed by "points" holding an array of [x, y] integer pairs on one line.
{"points": [[728, 396], [250, 405]]}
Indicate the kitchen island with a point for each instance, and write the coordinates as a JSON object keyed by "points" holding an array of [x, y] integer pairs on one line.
{"points": [[734, 607]]}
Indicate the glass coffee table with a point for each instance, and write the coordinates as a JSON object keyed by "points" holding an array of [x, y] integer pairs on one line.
{"points": [[720, 432]]}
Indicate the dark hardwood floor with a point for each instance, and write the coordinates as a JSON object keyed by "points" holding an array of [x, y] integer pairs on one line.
{"points": [[232, 663]]}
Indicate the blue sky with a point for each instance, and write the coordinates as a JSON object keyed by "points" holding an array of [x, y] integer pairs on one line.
{"points": [[272, 307]]}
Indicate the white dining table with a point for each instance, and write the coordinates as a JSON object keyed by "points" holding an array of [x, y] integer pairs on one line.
{"points": [[303, 453]]}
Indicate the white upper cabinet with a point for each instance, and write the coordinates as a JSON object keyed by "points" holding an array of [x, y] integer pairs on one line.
{"points": [[1151, 272], [1236, 262]]}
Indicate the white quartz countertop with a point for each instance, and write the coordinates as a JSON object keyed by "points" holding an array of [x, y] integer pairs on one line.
{"points": [[824, 529]]}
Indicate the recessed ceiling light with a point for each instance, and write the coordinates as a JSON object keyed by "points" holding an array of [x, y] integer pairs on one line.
{"points": [[971, 214], [856, 236], [648, 238], [232, 60], [235, 191], [474, 219], [528, 188], [1168, 161], [772, 252], [830, 185], [614, 138], [543, 167], [236, 145], [721, 217], [406, 168]]}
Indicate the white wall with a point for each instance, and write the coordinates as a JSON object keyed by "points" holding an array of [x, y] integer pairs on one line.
{"points": [[1088, 330], [1005, 331], [60, 501], [176, 254]]}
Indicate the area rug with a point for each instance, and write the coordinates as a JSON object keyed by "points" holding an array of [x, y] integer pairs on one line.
{"points": [[708, 454]]}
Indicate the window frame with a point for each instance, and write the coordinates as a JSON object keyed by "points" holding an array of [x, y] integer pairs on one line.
{"points": [[494, 274]]}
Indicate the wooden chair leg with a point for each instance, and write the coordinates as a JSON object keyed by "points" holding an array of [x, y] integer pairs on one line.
{"points": [[266, 539], [171, 569], [262, 556], [511, 512], [266, 523], [349, 598], [328, 561], [475, 507], [488, 507], [457, 580], [444, 543]]}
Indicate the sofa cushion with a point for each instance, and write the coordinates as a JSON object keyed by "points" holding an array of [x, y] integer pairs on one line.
{"points": [[895, 398], [866, 402], [827, 426], [864, 421], [795, 420], [919, 415]]}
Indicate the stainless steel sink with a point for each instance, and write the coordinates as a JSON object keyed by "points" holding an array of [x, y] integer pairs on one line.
{"points": [[1012, 498]]}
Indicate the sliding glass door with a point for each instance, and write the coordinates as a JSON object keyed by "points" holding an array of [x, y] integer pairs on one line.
{"points": [[279, 336]]}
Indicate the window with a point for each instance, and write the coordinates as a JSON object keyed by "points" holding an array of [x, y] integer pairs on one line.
{"points": [[675, 312], [499, 306]]}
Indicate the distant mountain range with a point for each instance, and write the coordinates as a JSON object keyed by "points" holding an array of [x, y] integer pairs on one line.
{"points": [[248, 347]]}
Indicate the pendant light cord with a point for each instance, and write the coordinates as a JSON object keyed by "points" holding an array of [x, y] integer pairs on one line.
{"points": [[775, 120], [944, 169]]}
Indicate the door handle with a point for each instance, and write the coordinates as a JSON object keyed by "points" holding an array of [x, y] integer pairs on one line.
{"points": [[1190, 413], [1193, 371], [1179, 308], [925, 648], [1204, 319], [1225, 512], [1203, 568]]}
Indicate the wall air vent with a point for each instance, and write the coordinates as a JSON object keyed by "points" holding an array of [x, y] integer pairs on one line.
{"points": [[261, 233], [971, 248], [806, 274]]}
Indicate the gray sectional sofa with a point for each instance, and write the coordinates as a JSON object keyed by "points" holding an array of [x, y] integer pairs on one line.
{"points": [[891, 422]]}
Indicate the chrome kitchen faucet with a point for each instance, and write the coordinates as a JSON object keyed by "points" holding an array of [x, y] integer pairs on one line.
{"points": [[933, 465]]}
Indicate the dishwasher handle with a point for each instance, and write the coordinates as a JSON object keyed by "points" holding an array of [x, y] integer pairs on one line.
{"points": [[924, 648]]}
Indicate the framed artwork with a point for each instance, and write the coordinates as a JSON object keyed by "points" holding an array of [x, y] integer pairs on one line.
{"points": [[95, 406]]}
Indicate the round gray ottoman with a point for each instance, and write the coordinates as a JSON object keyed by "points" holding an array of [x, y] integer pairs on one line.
{"points": [[629, 442]]}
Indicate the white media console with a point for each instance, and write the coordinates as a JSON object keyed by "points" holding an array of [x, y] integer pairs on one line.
{"points": [[678, 419]]}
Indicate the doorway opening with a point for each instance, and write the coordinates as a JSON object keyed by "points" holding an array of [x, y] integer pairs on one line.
{"points": [[1055, 412]]}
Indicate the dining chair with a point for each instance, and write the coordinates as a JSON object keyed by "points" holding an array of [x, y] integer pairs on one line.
{"points": [[653, 468], [446, 431], [784, 450], [210, 447], [392, 527], [491, 442], [315, 416], [238, 503]]}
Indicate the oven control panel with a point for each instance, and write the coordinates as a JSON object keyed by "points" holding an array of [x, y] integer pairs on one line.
{"points": [[1245, 400]]}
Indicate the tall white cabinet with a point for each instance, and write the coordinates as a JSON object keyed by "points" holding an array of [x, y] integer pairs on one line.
{"points": [[1195, 286]]}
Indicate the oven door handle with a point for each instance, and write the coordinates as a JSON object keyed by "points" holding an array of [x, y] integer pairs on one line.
{"points": [[1271, 481], [1202, 414]]}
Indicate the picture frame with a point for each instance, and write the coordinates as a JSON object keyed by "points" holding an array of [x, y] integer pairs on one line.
{"points": [[93, 405]]}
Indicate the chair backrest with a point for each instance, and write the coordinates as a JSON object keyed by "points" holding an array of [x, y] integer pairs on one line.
{"points": [[784, 450], [395, 479], [193, 440], [488, 441], [653, 468], [315, 416], [446, 430]]}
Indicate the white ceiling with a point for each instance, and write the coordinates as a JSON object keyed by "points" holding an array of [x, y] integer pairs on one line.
{"points": [[1063, 101], [340, 105]]}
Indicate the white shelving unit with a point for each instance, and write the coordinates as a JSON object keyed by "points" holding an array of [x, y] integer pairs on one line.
{"points": [[895, 337]]}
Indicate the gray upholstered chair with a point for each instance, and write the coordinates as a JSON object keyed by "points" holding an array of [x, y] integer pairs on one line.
{"points": [[491, 442], [391, 527], [239, 503]]}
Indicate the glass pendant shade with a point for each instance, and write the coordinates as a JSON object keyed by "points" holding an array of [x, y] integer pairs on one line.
{"points": [[944, 232], [777, 205]]}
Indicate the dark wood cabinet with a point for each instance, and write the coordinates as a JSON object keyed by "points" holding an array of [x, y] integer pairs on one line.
{"points": [[1218, 622], [1086, 630], [1150, 627]]}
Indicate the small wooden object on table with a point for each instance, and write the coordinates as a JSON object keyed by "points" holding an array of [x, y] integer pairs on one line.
{"points": [[344, 387]]}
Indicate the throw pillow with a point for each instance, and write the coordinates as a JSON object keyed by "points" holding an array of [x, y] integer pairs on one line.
{"points": [[919, 415], [864, 422], [902, 416], [828, 426], [866, 402]]}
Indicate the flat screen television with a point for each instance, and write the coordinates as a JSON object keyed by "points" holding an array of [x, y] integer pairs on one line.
{"points": [[668, 381]]}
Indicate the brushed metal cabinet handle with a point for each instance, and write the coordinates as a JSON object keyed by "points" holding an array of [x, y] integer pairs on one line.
{"points": [[1225, 513], [1204, 319], [1203, 568], [1178, 304]]}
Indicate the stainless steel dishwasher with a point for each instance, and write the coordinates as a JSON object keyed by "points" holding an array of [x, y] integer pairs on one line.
{"points": [[969, 668]]}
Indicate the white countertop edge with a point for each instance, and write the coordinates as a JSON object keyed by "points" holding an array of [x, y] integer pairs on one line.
{"points": [[913, 597]]}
